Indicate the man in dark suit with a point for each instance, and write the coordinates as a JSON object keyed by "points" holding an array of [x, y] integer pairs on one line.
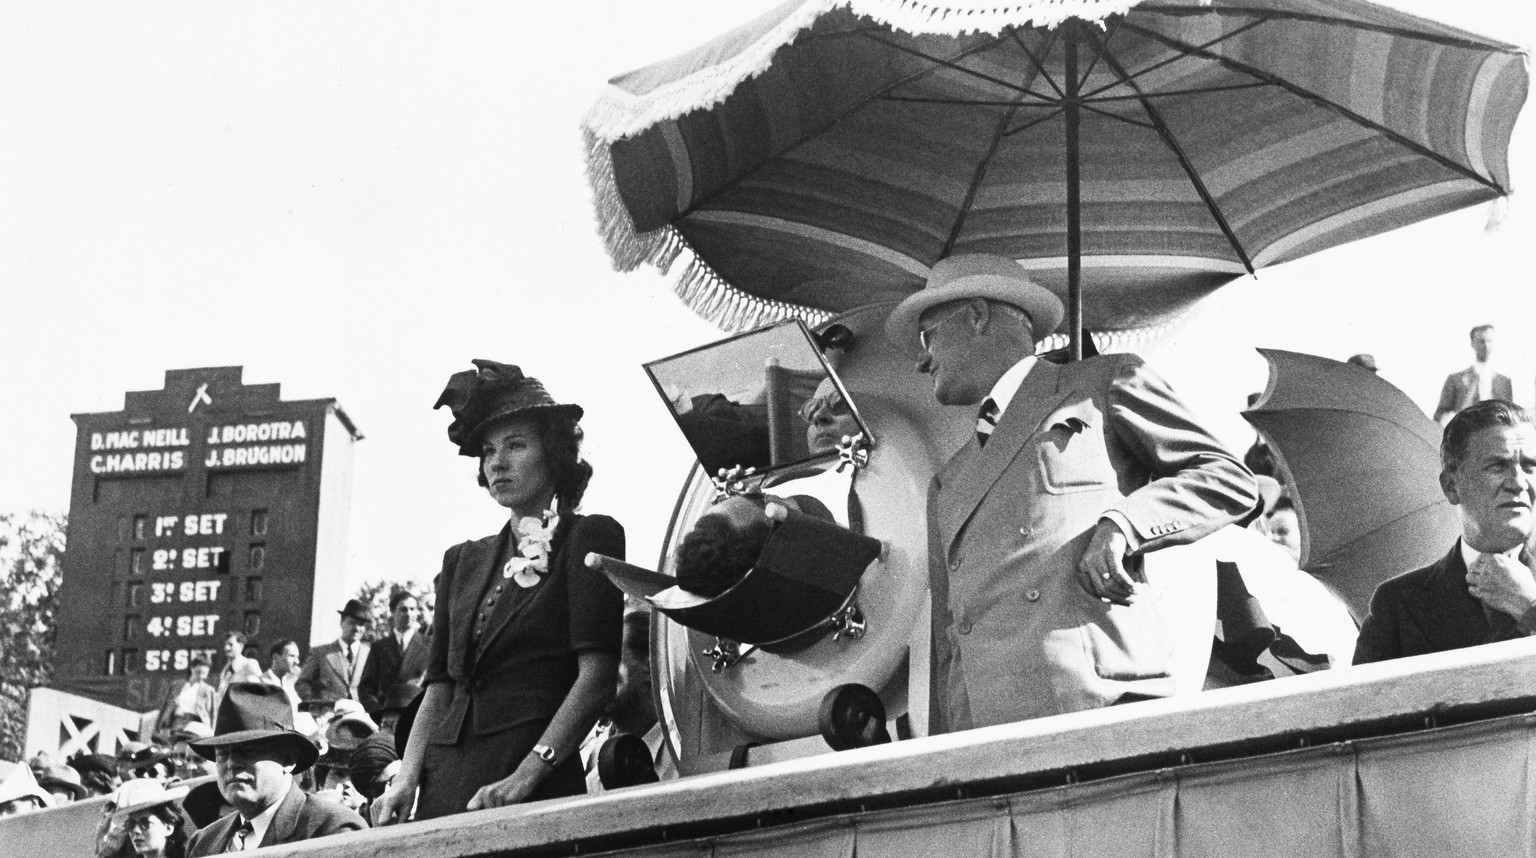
{"points": [[258, 752], [1484, 590], [1477, 383], [1036, 525], [397, 659], [333, 671]]}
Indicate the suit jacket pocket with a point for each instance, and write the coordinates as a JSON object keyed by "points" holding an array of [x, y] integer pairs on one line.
{"points": [[1070, 450]]}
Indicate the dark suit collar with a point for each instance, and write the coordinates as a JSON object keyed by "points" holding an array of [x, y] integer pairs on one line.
{"points": [[286, 821], [975, 469]]}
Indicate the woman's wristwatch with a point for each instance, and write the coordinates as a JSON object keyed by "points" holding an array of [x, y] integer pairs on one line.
{"points": [[545, 753]]}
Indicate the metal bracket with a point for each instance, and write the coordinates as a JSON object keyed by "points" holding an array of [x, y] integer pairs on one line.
{"points": [[725, 653], [852, 451], [731, 482], [848, 622]]}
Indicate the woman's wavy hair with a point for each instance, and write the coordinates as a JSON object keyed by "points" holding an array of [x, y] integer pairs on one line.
{"points": [[716, 554], [560, 436], [176, 841]]}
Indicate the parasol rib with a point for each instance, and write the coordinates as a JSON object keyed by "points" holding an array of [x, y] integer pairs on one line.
{"points": [[1181, 55], [1039, 68], [1118, 118], [976, 178], [816, 132], [1259, 74], [1189, 169], [964, 102], [1398, 32], [1036, 121], [1139, 95], [950, 64]]}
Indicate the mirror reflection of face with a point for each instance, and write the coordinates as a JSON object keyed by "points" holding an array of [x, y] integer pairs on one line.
{"points": [[512, 459], [828, 419]]}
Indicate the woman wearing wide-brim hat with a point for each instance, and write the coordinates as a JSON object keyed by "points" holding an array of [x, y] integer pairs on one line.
{"points": [[151, 815], [525, 638]]}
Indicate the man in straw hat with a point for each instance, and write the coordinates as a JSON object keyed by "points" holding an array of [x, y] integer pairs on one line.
{"points": [[258, 752], [333, 671], [1038, 522]]}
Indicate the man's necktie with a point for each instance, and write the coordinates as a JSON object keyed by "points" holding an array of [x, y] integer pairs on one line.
{"points": [[986, 421], [237, 843]]}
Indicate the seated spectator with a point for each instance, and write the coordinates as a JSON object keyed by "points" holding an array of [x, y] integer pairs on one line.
{"points": [[632, 712], [151, 817], [20, 793], [333, 771], [373, 767], [1483, 590], [258, 753], [185, 763], [61, 782], [98, 772]]}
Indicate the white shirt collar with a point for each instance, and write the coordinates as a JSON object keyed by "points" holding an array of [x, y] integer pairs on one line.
{"points": [[1008, 386], [263, 821], [1469, 554], [405, 637]]}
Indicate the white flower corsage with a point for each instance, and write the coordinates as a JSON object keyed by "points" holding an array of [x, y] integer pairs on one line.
{"points": [[534, 537]]}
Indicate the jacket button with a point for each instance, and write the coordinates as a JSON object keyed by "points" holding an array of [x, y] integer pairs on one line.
{"points": [[1032, 595], [954, 564], [491, 601], [1023, 531], [964, 628]]}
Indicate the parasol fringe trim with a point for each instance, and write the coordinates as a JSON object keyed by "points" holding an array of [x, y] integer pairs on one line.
{"points": [[627, 248], [1498, 210], [709, 296], [618, 114]]}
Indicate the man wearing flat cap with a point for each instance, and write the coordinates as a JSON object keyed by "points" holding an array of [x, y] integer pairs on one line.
{"points": [[333, 671], [1038, 523], [258, 752]]}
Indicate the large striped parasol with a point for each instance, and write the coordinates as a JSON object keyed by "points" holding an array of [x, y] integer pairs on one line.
{"points": [[1133, 156]]}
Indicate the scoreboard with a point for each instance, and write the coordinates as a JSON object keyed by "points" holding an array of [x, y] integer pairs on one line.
{"points": [[206, 507]]}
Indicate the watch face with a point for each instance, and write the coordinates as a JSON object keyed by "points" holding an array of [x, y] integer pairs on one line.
{"points": [[545, 753]]}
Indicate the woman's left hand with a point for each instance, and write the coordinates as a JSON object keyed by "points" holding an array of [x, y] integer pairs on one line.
{"points": [[513, 788]]}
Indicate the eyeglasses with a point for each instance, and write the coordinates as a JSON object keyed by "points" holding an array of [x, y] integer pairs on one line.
{"points": [[833, 402], [924, 333], [142, 823]]}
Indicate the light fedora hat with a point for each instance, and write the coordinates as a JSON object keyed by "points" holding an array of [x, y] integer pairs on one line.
{"points": [[975, 275]]}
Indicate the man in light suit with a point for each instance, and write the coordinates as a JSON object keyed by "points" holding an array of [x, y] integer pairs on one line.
{"points": [[1036, 525], [1484, 590], [396, 659], [258, 753], [1477, 383], [333, 671]]}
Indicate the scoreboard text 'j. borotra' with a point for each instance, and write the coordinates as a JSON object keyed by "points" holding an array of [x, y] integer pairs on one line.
{"points": [[206, 507]]}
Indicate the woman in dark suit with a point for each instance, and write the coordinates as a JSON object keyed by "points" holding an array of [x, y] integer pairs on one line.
{"points": [[525, 643]]}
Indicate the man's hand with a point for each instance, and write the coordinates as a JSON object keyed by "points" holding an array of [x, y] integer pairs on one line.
{"points": [[1502, 583], [1102, 570]]}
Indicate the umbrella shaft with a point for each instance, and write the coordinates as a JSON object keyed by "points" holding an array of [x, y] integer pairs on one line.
{"points": [[1074, 203]]}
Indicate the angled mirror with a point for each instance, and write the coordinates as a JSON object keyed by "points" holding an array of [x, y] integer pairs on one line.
{"points": [[765, 399]]}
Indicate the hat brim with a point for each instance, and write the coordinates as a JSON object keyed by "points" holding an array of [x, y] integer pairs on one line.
{"points": [[304, 751], [171, 796], [1045, 310], [471, 445], [77, 790]]}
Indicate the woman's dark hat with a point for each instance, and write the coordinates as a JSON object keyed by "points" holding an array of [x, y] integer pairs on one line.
{"points": [[490, 392], [254, 712]]}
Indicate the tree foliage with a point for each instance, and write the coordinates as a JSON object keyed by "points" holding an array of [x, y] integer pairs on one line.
{"points": [[31, 560]]}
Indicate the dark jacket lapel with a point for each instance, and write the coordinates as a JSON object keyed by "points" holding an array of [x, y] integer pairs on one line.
{"points": [[477, 563], [286, 820], [1446, 612], [517, 603]]}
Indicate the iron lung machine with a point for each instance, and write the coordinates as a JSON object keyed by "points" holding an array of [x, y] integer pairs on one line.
{"points": [[823, 645]]}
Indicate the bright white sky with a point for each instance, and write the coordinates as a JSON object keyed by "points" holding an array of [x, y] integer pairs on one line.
{"points": [[355, 199]]}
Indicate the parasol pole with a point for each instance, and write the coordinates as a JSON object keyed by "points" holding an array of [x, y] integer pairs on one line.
{"points": [[1074, 214]]}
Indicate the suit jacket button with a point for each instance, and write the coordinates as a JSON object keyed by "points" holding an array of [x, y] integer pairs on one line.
{"points": [[1032, 595], [954, 564], [964, 628]]}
